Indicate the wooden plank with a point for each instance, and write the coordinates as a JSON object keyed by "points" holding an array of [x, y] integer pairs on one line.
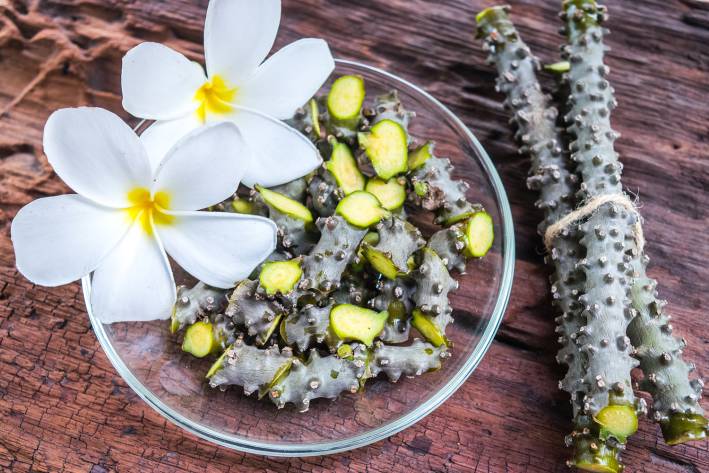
{"points": [[63, 406]]}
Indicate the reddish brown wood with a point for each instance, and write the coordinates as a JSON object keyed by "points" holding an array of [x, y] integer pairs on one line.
{"points": [[63, 406]]}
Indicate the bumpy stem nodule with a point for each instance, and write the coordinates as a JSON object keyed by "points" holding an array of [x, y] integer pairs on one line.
{"points": [[537, 132]]}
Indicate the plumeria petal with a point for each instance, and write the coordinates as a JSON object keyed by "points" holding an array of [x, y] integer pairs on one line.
{"points": [[238, 34], [159, 137], [134, 282], [60, 239], [280, 153], [288, 78], [218, 248], [96, 154], [159, 83], [203, 168]]}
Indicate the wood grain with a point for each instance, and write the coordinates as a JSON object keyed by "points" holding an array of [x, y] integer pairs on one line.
{"points": [[63, 406]]}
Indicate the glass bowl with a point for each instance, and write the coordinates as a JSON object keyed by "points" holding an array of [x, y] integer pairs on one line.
{"points": [[150, 360]]}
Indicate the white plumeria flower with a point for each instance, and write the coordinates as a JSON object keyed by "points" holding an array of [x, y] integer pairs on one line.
{"points": [[125, 215], [161, 84]]}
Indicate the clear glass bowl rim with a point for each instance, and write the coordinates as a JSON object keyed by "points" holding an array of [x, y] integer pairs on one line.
{"points": [[386, 430]]}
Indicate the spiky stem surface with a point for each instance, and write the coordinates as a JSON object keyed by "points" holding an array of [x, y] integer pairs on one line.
{"points": [[675, 396], [666, 375], [253, 311], [324, 266], [536, 121], [247, 366], [607, 233], [412, 360], [394, 296], [535, 118], [195, 303]]}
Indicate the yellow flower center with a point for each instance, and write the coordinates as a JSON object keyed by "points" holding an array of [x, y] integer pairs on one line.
{"points": [[147, 210], [216, 97]]}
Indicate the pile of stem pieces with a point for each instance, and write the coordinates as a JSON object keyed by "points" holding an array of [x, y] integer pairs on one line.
{"points": [[611, 319]]}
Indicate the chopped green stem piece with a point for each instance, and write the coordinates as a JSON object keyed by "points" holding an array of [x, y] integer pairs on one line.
{"points": [[413, 360], [344, 102], [260, 316], [199, 340], [343, 167], [435, 189], [386, 147], [617, 421], [175, 324], [398, 240], [426, 325], [450, 245], [596, 456], [420, 155], [433, 283], [381, 261], [320, 377], [242, 206], [345, 351], [315, 114], [420, 188], [479, 234], [325, 264], [681, 428], [371, 238], [255, 369], [558, 67], [216, 366], [391, 193], [308, 120], [350, 322], [278, 377], [280, 277], [285, 205], [307, 327], [361, 209]]}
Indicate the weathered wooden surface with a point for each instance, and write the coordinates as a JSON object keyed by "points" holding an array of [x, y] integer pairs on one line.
{"points": [[63, 406]]}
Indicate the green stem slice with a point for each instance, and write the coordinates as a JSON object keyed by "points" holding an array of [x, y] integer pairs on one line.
{"points": [[617, 421], [391, 193], [420, 155], [217, 365], [344, 102], [596, 456], [426, 326], [285, 205], [382, 262], [280, 277], [681, 428], [315, 114], [558, 67], [361, 209], [386, 147], [343, 167], [199, 340], [351, 322], [479, 234]]}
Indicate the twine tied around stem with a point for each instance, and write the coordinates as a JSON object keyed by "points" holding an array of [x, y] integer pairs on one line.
{"points": [[587, 209]]}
